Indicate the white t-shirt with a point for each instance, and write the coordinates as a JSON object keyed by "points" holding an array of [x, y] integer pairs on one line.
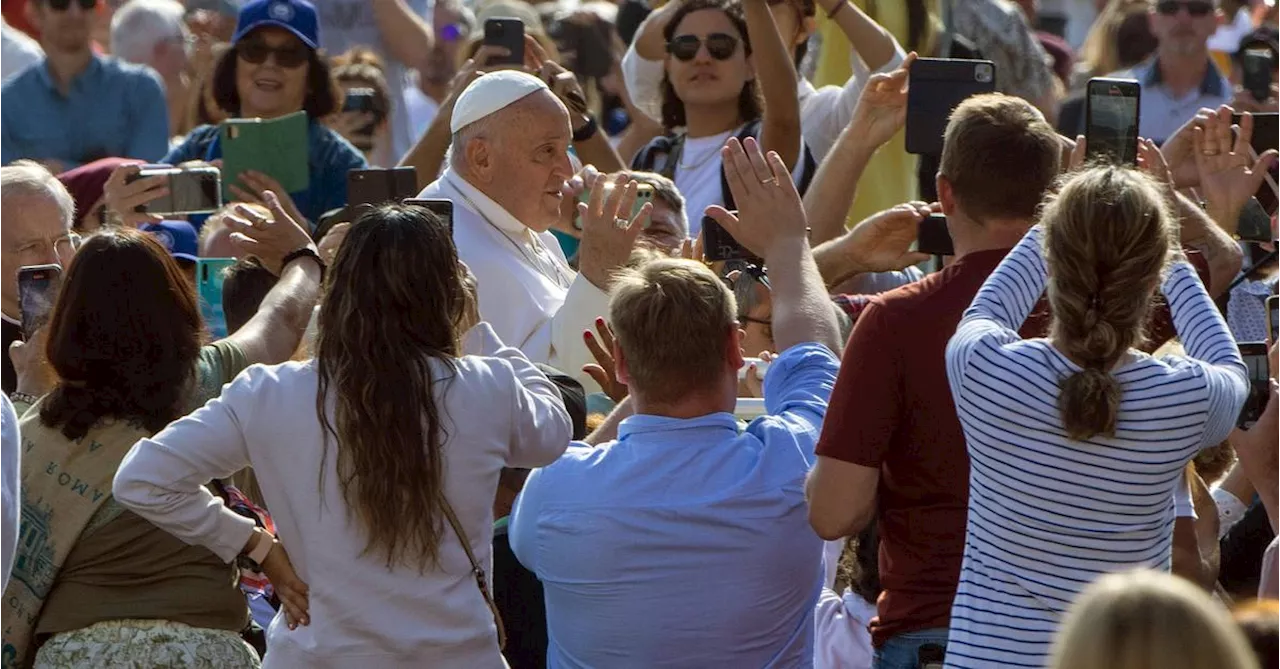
{"points": [[11, 468], [698, 176], [19, 51]]}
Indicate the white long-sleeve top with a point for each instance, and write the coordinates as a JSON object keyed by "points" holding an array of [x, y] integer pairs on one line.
{"points": [[528, 293], [824, 112], [497, 411]]}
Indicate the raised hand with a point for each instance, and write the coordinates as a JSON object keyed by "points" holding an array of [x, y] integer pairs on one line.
{"points": [[603, 371], [1229, 175], [257, 185], [1179, 150], [270, 239], [608, 237], [769, 207], [122, 197], [35, 376], [882, 107]]}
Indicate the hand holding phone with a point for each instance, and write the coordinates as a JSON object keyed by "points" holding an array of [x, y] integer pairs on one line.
{"points": [[933, 237], [1111, 120]]}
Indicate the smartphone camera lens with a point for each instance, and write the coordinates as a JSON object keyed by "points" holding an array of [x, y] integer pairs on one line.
{"points": [[983, 73]]}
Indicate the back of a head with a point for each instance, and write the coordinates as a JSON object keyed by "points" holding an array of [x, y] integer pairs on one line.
{"points": [[1148, 620], [1108, 235], [394, 297], [1000, 157], [124, 335], [1260, 622], [672, 319], [141, 24], [244, 287]]}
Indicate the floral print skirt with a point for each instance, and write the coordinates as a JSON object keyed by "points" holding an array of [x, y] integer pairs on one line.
{"points": [[145, 644]]}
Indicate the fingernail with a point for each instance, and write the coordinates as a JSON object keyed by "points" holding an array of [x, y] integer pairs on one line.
{"points": [[599, 321], [587, 334]]}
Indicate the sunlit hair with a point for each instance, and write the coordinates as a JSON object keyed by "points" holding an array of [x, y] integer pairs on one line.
{"points": [[124, 336], [1148, 619], [1260, 622], [387, 337], [1108, 236], [672, 319]]}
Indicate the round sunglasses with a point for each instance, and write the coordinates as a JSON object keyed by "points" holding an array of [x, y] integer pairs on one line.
{"points": [[720, 45], [255, 52]]}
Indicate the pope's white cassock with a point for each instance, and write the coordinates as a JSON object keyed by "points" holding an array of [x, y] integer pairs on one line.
{"points": [[528, 293]]}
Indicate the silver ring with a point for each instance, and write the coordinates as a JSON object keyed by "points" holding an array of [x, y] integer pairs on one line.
{"points": [[771, 181], [621, 223]]}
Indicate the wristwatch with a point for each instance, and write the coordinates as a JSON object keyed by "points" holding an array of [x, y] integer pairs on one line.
{"points": [[304, 252], [587, 131], [252, 561]]}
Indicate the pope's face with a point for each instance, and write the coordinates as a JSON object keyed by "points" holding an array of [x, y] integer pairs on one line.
{"points": [[532, 151]]}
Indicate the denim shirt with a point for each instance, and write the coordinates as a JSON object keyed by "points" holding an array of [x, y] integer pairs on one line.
{"points": [[329, 156], [111, 109]]}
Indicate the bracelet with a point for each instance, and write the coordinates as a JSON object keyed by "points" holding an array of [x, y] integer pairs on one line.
{"points": [[587, 131], [304, 252], [25, 398], [839, 6]]}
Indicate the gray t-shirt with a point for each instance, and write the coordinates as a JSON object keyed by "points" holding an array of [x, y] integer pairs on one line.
{"points": [[345, 24]]}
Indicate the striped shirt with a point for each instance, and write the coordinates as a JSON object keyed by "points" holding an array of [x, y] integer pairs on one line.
{"points": [[1048, 515]]}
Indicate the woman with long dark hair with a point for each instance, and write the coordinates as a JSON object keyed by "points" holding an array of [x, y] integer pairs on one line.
{"points": [[95, 585], [379, 459], [1077, 441]]}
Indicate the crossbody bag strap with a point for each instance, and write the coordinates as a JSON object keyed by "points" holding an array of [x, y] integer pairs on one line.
{"points": [[481, 580]]}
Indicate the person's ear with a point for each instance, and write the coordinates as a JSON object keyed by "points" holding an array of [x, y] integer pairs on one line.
{"points": [[620, 365], [734, 356], [480, 159], [946, 196]]}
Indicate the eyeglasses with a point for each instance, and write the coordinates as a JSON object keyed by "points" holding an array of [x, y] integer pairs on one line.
{"points": [[1196, 8], [719, 45], [64, 5], [38, 251], [255, 52]]}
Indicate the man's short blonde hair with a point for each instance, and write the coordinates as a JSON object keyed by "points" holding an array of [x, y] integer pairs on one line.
{"points": [[672, 320]]}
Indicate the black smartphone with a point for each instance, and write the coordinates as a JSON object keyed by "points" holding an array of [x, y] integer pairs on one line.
{"points": [[358, 100], [1273, 318], [507, 33], [376, 186], [442, 208], [1266, 131], [718, 245], [1111, 120], [192, 190], [932, 236], [1256, 67], [1255, 359], [936, 86], [37, 290]]}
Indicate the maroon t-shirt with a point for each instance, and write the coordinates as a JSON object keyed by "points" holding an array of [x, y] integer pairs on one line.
{"points": [[892, 409]]}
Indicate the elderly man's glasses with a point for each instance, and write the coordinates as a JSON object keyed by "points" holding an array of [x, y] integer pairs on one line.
{"points": [[720, 45], [37, 251], [64, 5], [1196, 8], [256, 52]]}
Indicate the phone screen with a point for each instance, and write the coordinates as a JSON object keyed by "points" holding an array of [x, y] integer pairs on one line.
{"points": [[196, 191], [358, 100], [1111, 132], [1257, 67], [210, 273], [933, 237], [37, 291], [440, 207], [1255, 360]]}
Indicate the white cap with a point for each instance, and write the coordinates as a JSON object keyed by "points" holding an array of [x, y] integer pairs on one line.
{"points": [[491, 92]]}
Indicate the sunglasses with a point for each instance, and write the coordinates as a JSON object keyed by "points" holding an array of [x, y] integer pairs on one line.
{"points": [[64, 5], [719, 45], [1196, 8], [255, 52]]}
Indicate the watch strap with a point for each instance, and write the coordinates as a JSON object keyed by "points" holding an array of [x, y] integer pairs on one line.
{"points": [[304, 252], [587, 131]]}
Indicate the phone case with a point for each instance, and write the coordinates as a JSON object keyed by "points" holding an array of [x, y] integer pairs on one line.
{"points": [[277, 147], [718, 245], [379, 186], [210, 273], [932, 236], [937, 86], [505, 32]]}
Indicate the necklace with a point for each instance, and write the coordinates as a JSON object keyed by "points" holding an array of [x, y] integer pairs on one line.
{"points": [[715, 151], [541, 257]]}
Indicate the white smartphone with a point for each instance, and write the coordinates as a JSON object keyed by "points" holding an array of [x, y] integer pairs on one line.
{"points": [[762, 366]]}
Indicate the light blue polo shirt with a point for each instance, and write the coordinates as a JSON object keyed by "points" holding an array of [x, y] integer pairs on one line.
{"points": [[1162, 113]]}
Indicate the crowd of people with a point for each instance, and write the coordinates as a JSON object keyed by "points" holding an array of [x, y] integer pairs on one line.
{"points": [[730, 407]]}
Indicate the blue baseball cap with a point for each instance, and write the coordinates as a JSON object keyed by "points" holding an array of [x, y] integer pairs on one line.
{"points": [[297, 16], [178, 237]]}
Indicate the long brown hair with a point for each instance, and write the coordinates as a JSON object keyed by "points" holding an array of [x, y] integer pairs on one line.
{"points": [[1108, 236], [393, 298], [124, 336], [750, 103]]}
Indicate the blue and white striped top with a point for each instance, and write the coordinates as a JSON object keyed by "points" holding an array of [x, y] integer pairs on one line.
{"points": [[1048, 515]]}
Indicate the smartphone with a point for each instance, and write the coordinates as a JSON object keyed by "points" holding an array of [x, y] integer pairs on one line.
{"points": [[936, 86], [718, 245], [761, 368], [192, 190], [1111, 120], [1255, 360], [507, 33], [210, 273], [1266, 136], [932, 236], [1254, 224], [440, 207], [1257, 66], [375, 186], [358, 100], [644, 193], [37, 291], [1273, 318]]}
